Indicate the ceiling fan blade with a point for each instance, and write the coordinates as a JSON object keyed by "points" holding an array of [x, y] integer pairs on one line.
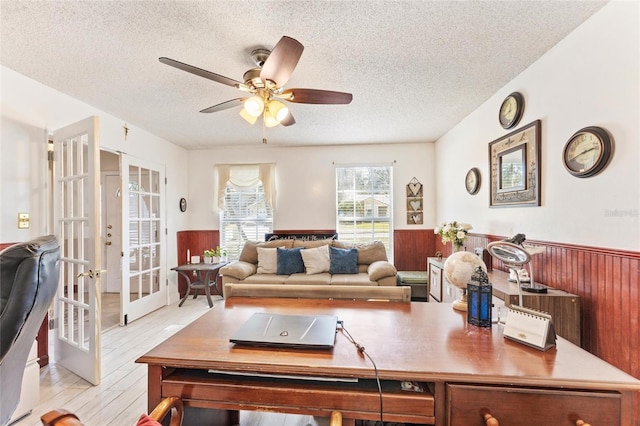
{"points": [[200, 72], [288, 120], [315, 96], [282, 61], [224, 105]]}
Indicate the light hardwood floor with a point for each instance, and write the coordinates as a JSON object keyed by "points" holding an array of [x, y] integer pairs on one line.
{"points": [[121, 397]]}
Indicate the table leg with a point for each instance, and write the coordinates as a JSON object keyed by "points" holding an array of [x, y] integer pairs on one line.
{"points": [[207, 290], [188, 288], [154, 385]]}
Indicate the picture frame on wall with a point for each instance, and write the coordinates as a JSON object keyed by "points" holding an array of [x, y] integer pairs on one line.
{"points": [[514, 164]]}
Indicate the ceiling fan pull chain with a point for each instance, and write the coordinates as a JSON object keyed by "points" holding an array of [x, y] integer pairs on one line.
{"points": [[264, 131]]}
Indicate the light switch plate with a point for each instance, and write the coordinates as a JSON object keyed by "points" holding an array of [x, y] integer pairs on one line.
{"points": [[23, 220]]}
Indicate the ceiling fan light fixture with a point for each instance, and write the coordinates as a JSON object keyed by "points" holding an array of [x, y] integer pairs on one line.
{"points": [[254, 106], [278, 110], [249, 118]]}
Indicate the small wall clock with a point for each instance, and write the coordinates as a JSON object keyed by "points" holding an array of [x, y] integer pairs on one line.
{"points": [[183, 204], [587, 152], [511, 110], [472, 181]]}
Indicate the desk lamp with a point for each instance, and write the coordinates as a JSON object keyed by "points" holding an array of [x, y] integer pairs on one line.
{"points": [[513, 256]]}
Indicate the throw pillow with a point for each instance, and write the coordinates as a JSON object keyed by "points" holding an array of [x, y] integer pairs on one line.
{"points": [[343, 261], [250, 253], [267, 260], [289, 261], [145, 420], [316, 260]]}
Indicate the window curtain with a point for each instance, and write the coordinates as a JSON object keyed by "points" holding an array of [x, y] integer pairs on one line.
{"points": [[246, 177]]}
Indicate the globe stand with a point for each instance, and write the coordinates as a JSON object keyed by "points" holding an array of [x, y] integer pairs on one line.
{"points": [[461, 304], [458, 270]]}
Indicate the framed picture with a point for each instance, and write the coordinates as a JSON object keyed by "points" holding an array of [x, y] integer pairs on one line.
{"points": [[514, 162]]}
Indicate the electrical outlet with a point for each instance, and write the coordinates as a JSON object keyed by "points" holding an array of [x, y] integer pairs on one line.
{"points": [[23, 220]]}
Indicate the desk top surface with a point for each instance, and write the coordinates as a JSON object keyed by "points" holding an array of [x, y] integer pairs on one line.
{"points": [[408, 341]]}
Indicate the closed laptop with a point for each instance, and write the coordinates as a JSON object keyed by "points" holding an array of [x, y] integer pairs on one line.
{"points": [[292, 331]]}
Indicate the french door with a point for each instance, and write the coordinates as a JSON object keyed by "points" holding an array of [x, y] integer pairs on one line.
{"points": [[76, 180], [144, 282]]}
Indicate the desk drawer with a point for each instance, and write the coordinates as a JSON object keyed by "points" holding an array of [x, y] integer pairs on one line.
{"points": [[517, 406], [354, 400]]}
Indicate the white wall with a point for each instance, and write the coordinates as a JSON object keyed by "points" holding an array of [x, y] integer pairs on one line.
{"points": [[591, 78], [305, 179], [29, 110]]}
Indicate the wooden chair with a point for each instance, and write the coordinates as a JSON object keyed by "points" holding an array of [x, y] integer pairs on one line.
{"points": [[170, 405]]}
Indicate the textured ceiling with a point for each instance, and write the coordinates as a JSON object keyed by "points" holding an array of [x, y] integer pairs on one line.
{"points": [[415, 68]]}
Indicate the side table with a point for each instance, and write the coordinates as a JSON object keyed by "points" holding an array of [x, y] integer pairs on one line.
{"points": [[206, 276]]}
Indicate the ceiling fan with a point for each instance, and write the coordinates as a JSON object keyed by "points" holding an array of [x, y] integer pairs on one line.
{"points": [[264, 85]]}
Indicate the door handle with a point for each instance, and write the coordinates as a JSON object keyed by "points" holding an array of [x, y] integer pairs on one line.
{"points": [[85, 274], [90, 273]]}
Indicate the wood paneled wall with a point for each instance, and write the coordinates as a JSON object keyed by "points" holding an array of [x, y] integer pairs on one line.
{"points": [[196, 242], [411, 249], [607, 281]]}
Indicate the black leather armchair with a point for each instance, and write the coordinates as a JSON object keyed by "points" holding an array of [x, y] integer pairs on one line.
{"points": [[29, 274]]}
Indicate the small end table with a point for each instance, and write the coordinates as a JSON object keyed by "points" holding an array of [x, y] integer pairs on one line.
{"points": [[206, 277]]}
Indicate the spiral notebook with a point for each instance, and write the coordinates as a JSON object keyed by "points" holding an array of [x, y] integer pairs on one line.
{"points": [[530, 327]]}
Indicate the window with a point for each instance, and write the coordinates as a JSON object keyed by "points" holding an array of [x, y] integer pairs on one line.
{"points": [[246, 205], [363, 205]]}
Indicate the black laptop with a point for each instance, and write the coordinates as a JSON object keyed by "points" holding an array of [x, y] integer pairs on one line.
{"points": [[287, 331]]}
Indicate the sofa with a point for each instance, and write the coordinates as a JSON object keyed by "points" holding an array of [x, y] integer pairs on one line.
{"points": [[322, 263]]}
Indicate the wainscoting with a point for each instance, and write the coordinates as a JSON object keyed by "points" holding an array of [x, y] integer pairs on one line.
{"points": [[196, 242], [607, 281]]}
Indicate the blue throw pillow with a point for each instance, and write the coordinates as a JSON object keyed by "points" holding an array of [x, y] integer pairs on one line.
{"points": [[343, 261], [289, 261]]}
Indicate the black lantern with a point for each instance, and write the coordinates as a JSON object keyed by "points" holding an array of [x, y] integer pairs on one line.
{"points": [[479, 294]]}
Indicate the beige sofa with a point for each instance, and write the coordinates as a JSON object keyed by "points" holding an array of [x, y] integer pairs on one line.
{"points": [[373, 267]]}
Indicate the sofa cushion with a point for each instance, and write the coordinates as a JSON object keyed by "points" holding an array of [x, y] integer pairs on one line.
{"points": [[265, 279], [352, 279], [312, 243], [343, 261], [367, 252], [250, 250], [239, 270], [267, 260], [306, 279], [371, 252], [381, 269], [289, 261], [316, 260]]}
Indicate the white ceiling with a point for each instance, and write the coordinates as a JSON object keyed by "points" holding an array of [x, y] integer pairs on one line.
{"points": [[415, 68]]}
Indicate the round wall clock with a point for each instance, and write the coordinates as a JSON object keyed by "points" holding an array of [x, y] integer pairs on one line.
{"points": [[472, 181], [511, 110], [183, 204], [587, 152]]}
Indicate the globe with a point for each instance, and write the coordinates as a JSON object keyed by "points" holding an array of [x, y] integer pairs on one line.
{"points": [[458, 269]]}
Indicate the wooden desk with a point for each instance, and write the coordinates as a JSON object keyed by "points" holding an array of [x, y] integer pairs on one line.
{"points": [[565, 308], [206, 276], [462, 368]]}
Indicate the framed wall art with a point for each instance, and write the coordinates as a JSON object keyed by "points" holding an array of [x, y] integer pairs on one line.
{"points": [[514, 162], [414, 202]]}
